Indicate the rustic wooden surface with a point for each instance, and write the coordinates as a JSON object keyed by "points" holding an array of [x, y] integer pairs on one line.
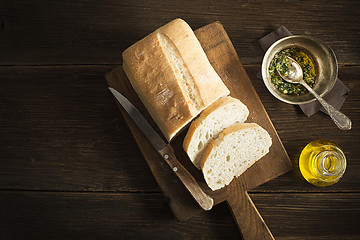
{"points": [[215, 42], [69, 166]]}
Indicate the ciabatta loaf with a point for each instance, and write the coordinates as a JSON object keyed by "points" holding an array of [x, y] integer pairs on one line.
{"points": [[221, 114], [235, 150], [171, 74]]}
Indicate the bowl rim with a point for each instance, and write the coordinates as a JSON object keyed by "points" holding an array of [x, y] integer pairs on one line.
{"points": [[264, 68]]}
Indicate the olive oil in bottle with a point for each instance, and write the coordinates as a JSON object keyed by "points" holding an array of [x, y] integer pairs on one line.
{"points": [[322, 163]]}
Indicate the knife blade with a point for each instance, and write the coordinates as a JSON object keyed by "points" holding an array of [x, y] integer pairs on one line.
{"points": [[166, 151]]}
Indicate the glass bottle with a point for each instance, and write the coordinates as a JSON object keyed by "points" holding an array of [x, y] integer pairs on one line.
{"points": [[322, 163]]}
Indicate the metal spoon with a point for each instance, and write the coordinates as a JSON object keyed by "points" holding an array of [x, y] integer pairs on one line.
{"points": [[294, 74]]}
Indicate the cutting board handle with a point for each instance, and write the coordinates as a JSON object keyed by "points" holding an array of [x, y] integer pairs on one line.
{"points": [[248, 219]]}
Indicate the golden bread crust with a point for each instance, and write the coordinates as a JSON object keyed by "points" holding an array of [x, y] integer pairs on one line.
{"points": [[172, 76]]}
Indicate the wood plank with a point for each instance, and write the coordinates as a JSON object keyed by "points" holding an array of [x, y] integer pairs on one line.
{"points": [[64, 215], [71, 215], [60, 130], [58, 138], [311, 216], [61, 124], [89, 32]]}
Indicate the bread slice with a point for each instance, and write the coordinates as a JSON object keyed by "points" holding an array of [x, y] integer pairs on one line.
{"points": [[172, 76], [221, 114], [235, 150]]}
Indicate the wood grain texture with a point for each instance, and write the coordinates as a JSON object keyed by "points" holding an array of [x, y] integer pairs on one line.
{"points": [[97, 32], [69, 166], [84, 215], [78, 140], [40, 150], [61, 215], [311, 216], [61, 125]]}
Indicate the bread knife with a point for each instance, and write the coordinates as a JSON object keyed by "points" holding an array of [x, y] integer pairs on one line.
{"points": [[166, 151]]}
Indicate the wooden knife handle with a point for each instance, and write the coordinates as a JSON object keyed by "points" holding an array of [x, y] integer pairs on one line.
{"points": [[249, 221], [204, 200]]}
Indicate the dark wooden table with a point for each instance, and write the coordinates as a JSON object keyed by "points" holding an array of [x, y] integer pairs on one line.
{"points": [[69, 166]]}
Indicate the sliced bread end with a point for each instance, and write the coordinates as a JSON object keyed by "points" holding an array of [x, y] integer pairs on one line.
{"points": [[235, 150]]}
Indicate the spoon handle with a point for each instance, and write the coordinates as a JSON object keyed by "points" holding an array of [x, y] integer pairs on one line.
{"points": [[342, 121]]}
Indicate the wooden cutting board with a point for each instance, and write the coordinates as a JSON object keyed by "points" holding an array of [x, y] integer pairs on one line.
{"points": [[227, 64]]}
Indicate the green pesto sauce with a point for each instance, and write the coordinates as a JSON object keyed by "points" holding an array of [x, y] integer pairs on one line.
{"points": [[306, 63], [283, 65]]}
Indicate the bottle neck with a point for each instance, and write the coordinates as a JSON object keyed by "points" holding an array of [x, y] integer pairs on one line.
{"points": [[330, 163]]}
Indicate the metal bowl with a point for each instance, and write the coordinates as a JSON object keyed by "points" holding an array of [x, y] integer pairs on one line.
{"points": [[324, 60]]}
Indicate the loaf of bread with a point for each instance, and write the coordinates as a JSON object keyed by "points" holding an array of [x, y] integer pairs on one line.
{"points": [[221, 114], [172, 76], [235, 150]]}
